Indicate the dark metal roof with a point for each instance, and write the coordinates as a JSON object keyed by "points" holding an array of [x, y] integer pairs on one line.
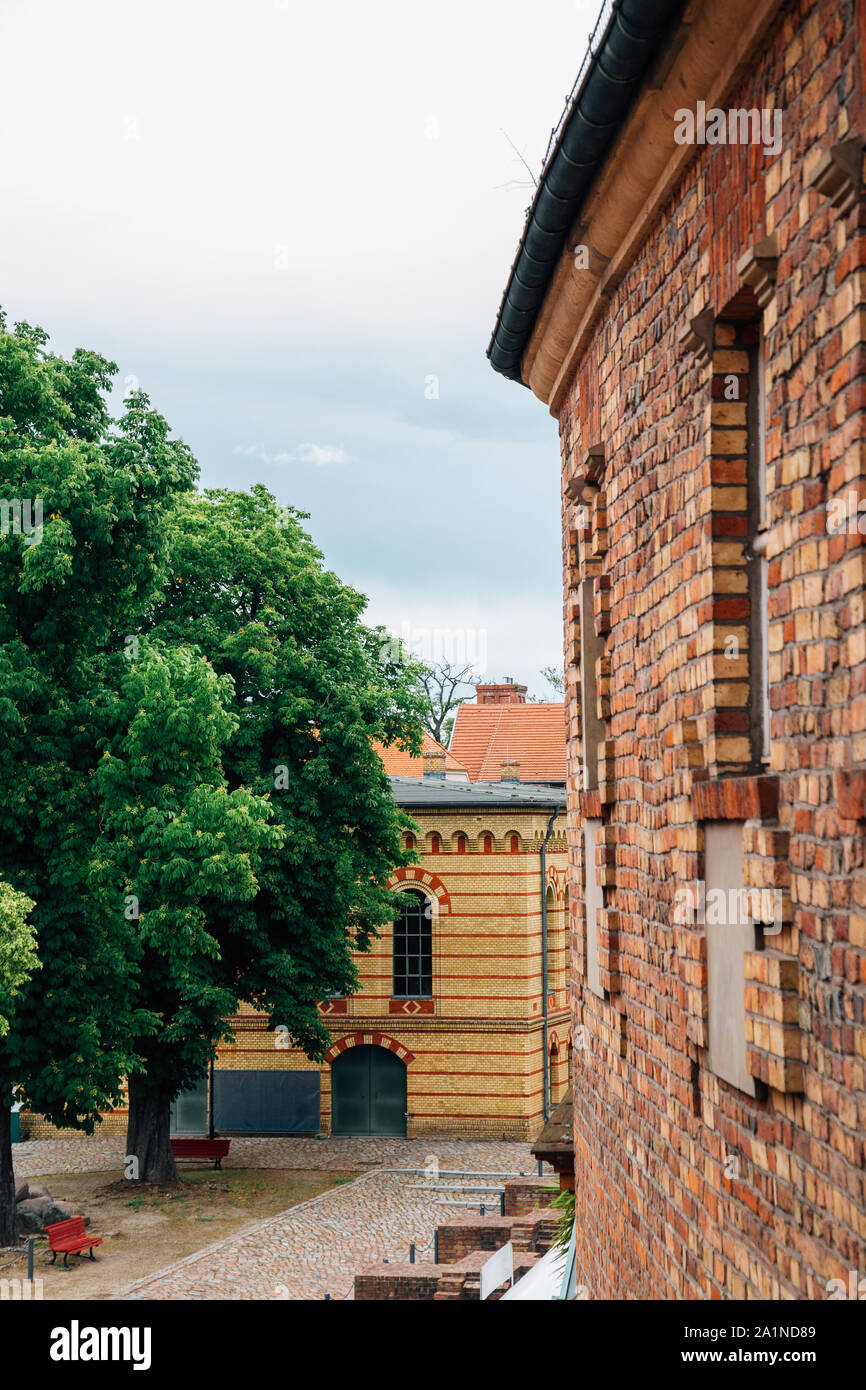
{"points": [[438, 792], [631, 35]]}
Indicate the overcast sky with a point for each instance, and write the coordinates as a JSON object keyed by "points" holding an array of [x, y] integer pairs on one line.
{"points": [[284, 220]]}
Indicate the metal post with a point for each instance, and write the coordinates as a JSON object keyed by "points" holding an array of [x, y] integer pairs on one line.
{"points": [[30, 1244], [411, 1252], [540, 1167], [481, 1209], [502, 1204], [436, 1246], [327, 1298]]}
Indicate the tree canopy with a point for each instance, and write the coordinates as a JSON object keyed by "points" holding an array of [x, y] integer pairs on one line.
{"points": [[188, 698]]}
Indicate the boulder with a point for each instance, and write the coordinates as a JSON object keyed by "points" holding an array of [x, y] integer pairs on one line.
{"points": [[37, 1205], [22, 1190], [58, 1211], [37, 1189], [27, 1223]]}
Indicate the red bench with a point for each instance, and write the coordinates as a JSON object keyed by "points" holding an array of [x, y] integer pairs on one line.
{"points": [[70, 1237], [215, 1149]]}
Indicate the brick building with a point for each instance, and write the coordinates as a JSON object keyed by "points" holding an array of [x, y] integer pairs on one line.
{"points": [[449, 1031], [688, 301]]}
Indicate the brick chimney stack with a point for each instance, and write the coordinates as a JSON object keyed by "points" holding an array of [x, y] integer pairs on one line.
{"points": [[509, 770], [434, 764], [507, 693]]}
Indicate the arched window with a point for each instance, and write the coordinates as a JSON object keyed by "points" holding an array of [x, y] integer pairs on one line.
{"points": [[461, 844], [435, 844], [553, 941], [514, 844], [409, 841], [413, 947], [488, 844]]}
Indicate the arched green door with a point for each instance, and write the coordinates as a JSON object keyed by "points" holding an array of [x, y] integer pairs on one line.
{"points": [[368, 1092]]}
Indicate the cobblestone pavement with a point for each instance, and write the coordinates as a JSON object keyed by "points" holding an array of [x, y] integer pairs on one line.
{"points": [[318, 1246], [102, 1153]]}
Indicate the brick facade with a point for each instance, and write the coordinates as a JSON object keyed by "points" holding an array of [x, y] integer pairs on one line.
{"points": [[474, 1052], [687, 1185]]}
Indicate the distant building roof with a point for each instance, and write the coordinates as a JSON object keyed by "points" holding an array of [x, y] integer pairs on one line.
{"points": [[401, 764], [439, 793], [487, 735]]}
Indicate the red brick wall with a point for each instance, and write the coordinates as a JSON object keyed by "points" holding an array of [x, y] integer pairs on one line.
{"points": [[656, 1214], [401, 1282], [523, 1195]]}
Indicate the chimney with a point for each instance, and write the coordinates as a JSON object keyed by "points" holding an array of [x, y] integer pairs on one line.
{"points": [[509, 770], [507, 693], [434, 764]]}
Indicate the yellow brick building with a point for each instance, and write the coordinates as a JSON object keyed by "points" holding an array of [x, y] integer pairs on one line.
{"points": [[449, 1031]]}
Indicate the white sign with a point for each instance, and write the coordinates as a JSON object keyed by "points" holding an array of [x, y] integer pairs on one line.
{"points": [[497, 1269]]}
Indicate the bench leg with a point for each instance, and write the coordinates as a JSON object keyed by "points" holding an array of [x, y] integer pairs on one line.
{"points": [[91, 1254], [219, 1163], [66, 1259], [53, 1256]]}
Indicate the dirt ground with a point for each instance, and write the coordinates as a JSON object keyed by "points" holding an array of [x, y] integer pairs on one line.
{"points": [[147, 1228]]}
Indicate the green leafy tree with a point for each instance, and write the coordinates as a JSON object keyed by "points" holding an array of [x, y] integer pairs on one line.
{"points": [[312, 688], [18, 958], [176, 845], [70, 592]]}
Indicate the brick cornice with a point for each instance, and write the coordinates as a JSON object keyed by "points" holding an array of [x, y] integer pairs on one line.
{"points": [[736, 798], [642, 167]]}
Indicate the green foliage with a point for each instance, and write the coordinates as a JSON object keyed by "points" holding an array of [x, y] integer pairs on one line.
{"points": [[18, 958], [312, 688], [66, 605], [188, 700], [175, 844], [565, 1204]]}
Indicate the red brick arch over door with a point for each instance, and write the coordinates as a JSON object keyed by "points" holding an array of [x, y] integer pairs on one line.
{"points": [[426, 880], [369, 1040]]}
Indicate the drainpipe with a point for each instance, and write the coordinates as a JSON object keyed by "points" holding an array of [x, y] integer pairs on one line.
{"points": [[542, 855]]}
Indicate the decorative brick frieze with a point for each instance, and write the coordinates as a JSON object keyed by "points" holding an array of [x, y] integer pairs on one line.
{"points": [[838, 174], [757, 269], [696, 335]]}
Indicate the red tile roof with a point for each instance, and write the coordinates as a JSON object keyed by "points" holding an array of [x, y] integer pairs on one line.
{"points": [[401, 764], [485, 736]]}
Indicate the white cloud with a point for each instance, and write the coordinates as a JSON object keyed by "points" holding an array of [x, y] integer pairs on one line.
{"points": [[319, 454]]}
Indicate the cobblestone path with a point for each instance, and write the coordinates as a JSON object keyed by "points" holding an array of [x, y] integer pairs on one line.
{"points": [[317, 1247]]}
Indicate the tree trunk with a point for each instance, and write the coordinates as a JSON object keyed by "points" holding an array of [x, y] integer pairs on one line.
{"points": [[147, 1135], [7, 1179]]}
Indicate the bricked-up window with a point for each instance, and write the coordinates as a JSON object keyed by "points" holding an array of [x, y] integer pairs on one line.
{"points": [[594, 904], [488, 844], [435, 844], [591, 648], [729, 935], [759, 663], [413, 947], [461, 844], [513, 844]]}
